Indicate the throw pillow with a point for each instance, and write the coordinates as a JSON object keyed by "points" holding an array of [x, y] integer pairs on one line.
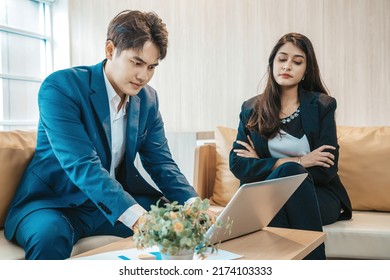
{"points": [[16, 150], [364, 166], [226, 184]]}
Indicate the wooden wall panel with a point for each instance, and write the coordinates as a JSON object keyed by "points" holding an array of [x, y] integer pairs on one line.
{"points": [[356, 65], [218, 53]]}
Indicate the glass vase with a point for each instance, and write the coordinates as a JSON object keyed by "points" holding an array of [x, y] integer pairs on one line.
{"points": [[183, 254]]}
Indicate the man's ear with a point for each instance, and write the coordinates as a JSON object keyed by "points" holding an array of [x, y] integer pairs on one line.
{"points": [[109, 49]]}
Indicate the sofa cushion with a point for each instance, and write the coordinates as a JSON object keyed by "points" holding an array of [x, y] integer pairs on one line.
{"points": [[365, 236], [11, 251], [363, 149], [226, 184], [16, 150]]}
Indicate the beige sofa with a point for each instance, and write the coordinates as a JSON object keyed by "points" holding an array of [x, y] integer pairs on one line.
{"points": [[363, 168], [16, 150]]}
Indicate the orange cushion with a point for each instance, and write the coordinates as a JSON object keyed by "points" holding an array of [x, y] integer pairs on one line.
{"points": [[16, 150], [226, 184], [364, 166]]}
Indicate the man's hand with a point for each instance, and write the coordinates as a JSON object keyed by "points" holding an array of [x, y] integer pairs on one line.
{"points": [[212, 213], [138, 224]]}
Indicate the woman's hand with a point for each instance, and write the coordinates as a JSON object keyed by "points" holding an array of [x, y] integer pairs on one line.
{"points": [[249, 152], [319, 158]]}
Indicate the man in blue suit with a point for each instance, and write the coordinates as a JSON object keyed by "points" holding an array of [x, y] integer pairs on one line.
{"points": [[93, 121]]}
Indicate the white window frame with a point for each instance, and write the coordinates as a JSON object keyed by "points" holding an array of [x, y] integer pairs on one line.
{"points": [[57, 52]]}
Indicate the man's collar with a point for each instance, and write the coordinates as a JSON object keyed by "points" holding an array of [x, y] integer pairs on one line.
{"points": [[112, 93]]}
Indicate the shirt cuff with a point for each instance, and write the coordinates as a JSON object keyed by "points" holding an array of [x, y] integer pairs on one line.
{"points": [[191, 200], [131, 215]]}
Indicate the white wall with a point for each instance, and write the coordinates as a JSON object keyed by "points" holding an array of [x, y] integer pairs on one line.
{"points": [[218, 51]]}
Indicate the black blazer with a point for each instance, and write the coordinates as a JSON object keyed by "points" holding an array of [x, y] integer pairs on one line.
{"points": [[318, 121]]}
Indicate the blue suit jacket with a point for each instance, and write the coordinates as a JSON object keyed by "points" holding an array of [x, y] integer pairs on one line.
{"points": [[318, 122], [73, 153]]}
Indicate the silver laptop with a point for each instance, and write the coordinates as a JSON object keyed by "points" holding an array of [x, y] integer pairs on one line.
{"points": [[253, 207]]}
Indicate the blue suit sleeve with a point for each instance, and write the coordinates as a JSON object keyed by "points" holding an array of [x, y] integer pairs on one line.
{"points": [[158, 162], [63, 117]]}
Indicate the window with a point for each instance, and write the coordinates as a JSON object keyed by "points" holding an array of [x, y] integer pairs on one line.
{"points": [[25, 60]]}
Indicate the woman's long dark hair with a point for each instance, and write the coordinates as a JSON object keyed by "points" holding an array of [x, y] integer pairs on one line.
{"points": [[265, 118]]}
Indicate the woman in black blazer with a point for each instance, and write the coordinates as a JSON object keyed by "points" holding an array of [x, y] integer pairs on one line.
{"points": [[290, 129]]}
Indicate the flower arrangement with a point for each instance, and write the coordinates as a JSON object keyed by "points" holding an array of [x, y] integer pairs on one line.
{"points": [[175, 227]]}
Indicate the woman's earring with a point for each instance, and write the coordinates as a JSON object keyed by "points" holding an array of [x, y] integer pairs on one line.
{"points": [[303, 78]]}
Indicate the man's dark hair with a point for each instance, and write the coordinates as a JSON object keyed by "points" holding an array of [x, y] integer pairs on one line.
{"points": [[132, 29]]}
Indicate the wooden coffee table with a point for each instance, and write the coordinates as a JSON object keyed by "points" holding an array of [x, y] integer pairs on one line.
{"points": [[267, 244]]}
